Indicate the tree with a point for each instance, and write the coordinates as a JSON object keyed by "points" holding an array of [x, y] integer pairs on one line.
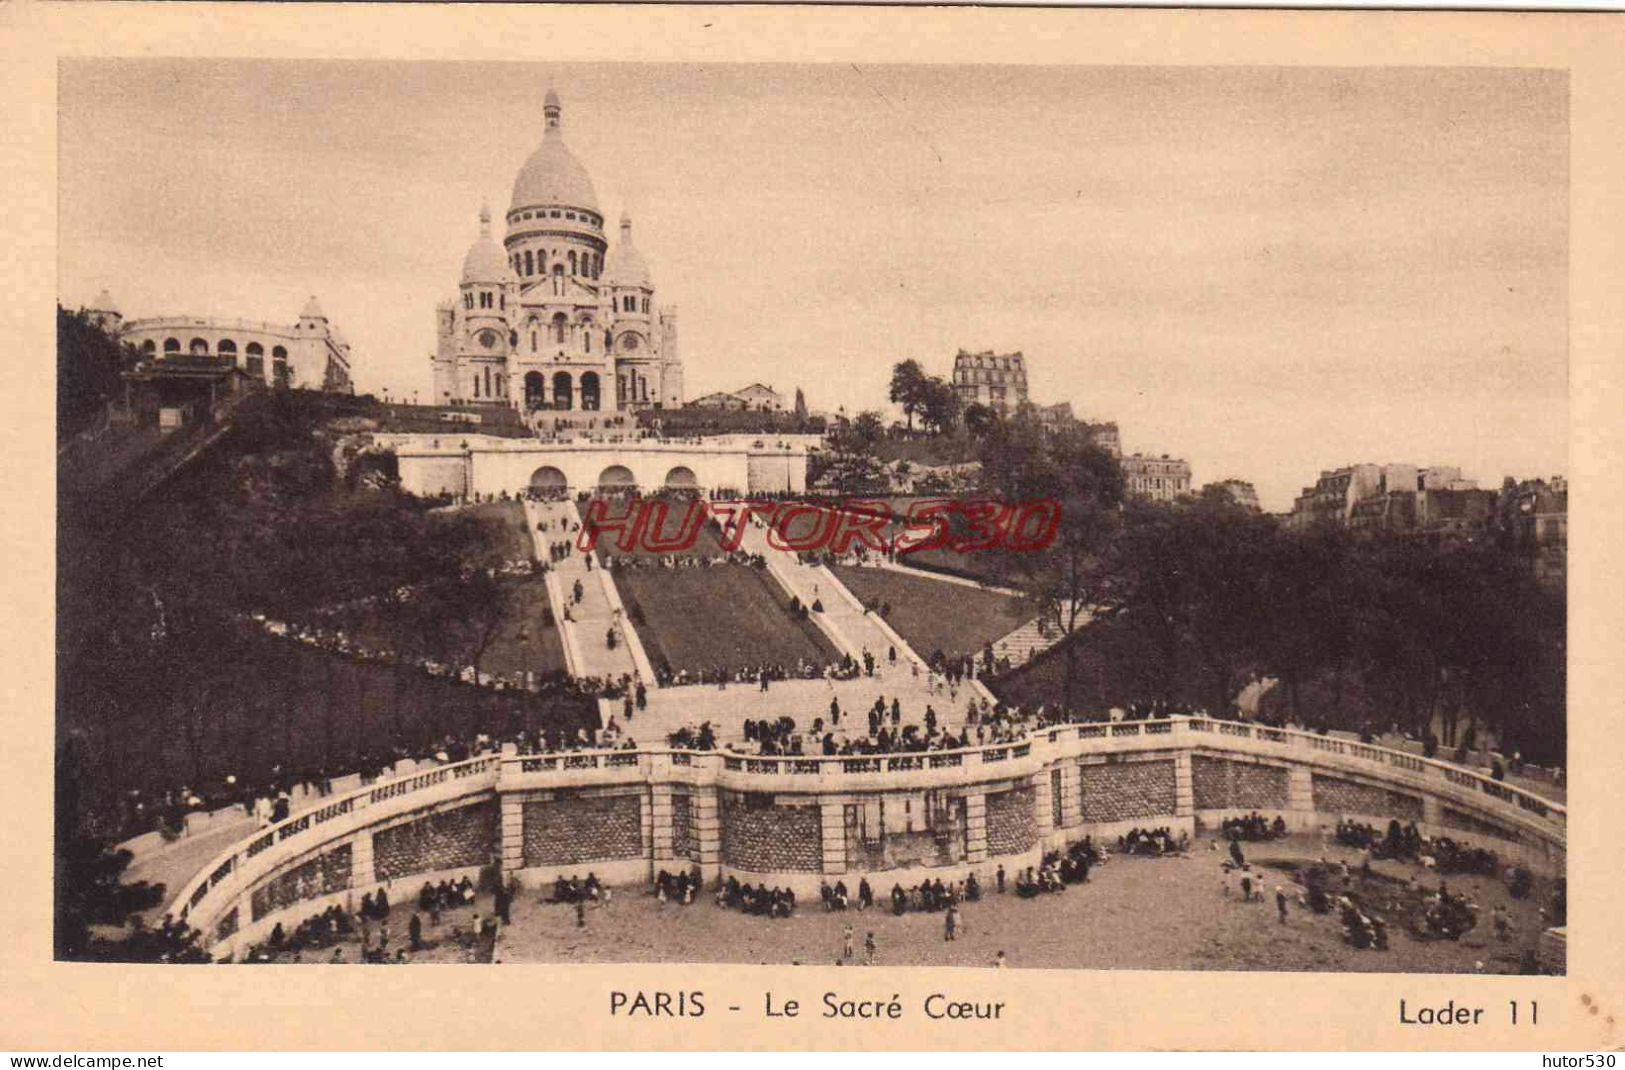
{"points": [[939, 405], [907, 380], [801, 406], [89, 363], [979, 419], [868, 429], [1070, 579]]}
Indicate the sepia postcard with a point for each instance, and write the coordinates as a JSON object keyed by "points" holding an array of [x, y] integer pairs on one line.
{"points": [[814, 528]]}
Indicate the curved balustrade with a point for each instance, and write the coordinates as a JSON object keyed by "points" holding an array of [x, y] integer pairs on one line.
{"points": [[222, 885], [234, 871]]}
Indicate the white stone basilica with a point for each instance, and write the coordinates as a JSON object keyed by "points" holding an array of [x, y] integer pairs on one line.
{"points": [[554, 318]]}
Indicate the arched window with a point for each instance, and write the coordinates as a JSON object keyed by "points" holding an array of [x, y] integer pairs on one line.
{"points": [[558, 271], [228, 348], [488, 381], [255, 364], [468, 300], [561, 327], [562, 393], [541, 262], [572, 262], [528, 262], [589, 391], [645, 306], [533, 340], [279, 366], [198, 348], [149, 347], [476, 384]]}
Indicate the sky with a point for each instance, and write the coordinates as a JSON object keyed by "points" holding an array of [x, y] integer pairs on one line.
{"points": [[1266, 271]]}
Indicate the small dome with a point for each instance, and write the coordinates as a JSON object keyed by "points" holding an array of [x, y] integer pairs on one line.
{"points": [[485, 262], [626, 266], [104, 303], [552, 175], [312, 310]]}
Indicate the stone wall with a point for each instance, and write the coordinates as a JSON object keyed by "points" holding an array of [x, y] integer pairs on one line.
{"points": [[451, 839], [683, 842], [1225, 785], [1010, 826], [762, 837], [1465, 822], [322, 875], [575, 827], [1124, 790], [1334, 795]]}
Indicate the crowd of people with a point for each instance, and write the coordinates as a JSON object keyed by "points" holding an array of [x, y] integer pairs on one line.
{"points": [[1253, 827], [756, 899], [1407, 843], [760, 676], [1156, 842]]}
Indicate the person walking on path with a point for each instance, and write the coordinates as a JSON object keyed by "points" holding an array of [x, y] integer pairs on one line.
{"points": [[846, 942], [869, 950], [1280, 903], [950, 922]]}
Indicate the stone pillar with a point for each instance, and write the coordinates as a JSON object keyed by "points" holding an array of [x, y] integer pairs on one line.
{"points": [[361, 867], [976, 825], [660, 831], [833, 822], [706, 821], [1432, 809], [1300, 791], [1043, 805], [1184, 786], [511, 832], [1071, 794]]}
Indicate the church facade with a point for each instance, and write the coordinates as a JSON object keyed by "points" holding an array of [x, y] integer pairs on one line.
{"points": [[556, 317]]}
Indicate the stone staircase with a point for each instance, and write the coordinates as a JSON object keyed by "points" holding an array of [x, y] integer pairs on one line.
{"points": [[844, 620], [1026, 642], [586, 651]]}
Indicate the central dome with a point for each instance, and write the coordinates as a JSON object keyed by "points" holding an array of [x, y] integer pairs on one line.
{"points": [[552, 175]]}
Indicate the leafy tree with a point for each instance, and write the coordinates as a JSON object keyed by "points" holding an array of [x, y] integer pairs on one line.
{"points": [[89, 362], [1071, 578], [939, 405], [979, 419], [907, 384]]}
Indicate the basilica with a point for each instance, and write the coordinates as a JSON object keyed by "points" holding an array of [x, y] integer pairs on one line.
{"points": [[555, 317]]}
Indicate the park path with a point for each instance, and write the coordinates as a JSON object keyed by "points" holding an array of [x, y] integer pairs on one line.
{"points": [[587, 651]]}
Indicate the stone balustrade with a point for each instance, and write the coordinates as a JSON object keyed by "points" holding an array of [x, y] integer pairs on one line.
{"points": [[797, 820]]}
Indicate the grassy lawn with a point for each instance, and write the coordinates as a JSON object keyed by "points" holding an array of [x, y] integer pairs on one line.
{"points": [[524, 642], [730, 616], [934, 615], [509, 519]]}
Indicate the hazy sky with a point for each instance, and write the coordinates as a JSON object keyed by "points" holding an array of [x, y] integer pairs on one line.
{"points": [[1268, 271]]}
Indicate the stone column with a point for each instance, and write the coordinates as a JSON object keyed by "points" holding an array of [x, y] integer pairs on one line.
{"points": [[1300, 792], [1071, 793], [1043, 805], [976, 825], [1432, 809], [661, 832], [706, 822], [511, 832], [833, 822], [362, 872], [1184, 786]]}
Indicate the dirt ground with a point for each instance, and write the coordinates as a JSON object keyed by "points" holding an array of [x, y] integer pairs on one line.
{"points": [[1104, 924]]}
